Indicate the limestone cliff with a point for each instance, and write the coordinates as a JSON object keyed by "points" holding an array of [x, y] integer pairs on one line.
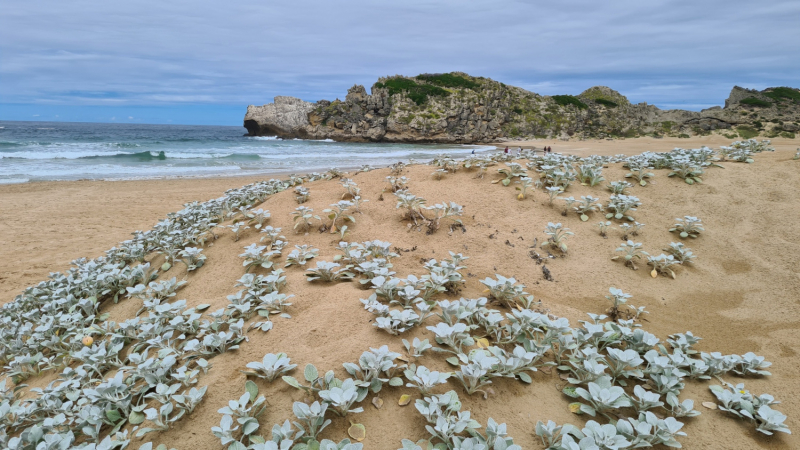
{"points": [[458, 108]]}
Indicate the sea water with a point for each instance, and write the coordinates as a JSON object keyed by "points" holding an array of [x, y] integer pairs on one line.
{"points": [[39, 151]]}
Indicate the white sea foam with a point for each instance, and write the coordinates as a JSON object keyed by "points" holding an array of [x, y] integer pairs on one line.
{"points": [[41, 155], [13, 180]]}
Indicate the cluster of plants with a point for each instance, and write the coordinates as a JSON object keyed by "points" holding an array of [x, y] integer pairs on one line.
{"points": [[239, 427], [557, 172], [619, 206], [742, 151], [689, 226], [397, 183], [639, 170], [557, 236], [602, 360], [590, 174], [156, 357], [339, 215], [446, 163], [677, 254], [585, 206], [413, 207], [554, 172], [409, 294], [301, 194], [481, 163]]}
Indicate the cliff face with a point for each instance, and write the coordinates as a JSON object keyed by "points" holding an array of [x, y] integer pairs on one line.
{"points": [[457, 108]]}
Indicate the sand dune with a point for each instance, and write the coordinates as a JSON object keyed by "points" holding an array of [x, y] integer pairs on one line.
{"points": [[740, 296]]}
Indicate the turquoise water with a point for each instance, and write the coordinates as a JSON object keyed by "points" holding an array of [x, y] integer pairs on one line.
{"points": [[39, 151]]}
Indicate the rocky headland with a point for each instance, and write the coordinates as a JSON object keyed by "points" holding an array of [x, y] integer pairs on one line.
{"points": [[458, 108]]}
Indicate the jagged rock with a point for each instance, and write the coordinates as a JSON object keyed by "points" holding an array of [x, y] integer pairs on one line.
{"points": [[738, 94], [283, 118], [475, 110]]}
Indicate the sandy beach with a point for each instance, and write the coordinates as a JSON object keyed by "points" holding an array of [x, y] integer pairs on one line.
{"points": [[740, 296]]}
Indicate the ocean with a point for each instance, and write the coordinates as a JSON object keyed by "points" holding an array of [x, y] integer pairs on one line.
{"points": [[43, 151]]}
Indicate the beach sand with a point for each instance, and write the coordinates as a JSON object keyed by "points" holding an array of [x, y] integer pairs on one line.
{"points": [[740, 296]]}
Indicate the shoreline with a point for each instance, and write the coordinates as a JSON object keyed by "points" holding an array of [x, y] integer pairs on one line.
{"points": [[601, 147]]}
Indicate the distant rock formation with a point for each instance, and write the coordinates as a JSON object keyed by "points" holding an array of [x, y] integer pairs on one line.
{"points": [[458, 108]]}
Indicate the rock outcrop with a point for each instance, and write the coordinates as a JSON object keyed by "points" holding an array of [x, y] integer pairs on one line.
{"points": [[458, 108], [287, 115]]}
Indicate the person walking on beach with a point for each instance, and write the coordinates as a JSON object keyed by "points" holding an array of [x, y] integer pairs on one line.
{"points": [[506, 151]]}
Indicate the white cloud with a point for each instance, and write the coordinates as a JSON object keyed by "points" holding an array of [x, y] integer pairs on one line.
{"points": [[185, 52]]}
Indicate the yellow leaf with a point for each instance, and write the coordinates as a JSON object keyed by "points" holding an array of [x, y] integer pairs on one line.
{"points": [[710, 405], [357, 431], [520, 197], [377, 402], [654, 273], [575, 408], [404, 400], [482, 343]]}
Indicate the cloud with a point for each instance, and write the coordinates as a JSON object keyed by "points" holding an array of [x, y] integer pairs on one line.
{"points": [[152, 52]]}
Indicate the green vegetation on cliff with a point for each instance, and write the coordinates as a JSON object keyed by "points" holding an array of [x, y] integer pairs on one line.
{"points": [[449, 80], [783, 93], [607, 103], [432, 85], [418, 93], [565, 100], [752, 101]]}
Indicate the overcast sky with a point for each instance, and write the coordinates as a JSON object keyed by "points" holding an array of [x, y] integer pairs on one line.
{"points": [[203, 62]]}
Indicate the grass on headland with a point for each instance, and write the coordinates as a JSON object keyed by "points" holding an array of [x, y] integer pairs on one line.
{"points": [[449, 80], [605, 102], [418, 93], [752, 101], [565, 100], [784, 93]]}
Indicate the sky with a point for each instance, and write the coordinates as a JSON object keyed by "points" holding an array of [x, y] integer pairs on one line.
{"points": [[203, 62]]}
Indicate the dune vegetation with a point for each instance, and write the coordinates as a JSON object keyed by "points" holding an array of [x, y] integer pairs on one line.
{"points": [[501, 301]]}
